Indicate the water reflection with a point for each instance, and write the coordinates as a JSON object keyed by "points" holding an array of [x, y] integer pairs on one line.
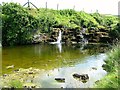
{"points": [[47, 79], [47, 56], [59, 47], [57, 60]]}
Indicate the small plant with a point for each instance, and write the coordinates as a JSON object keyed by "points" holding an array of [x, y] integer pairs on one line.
{"points": [[16, 84]]}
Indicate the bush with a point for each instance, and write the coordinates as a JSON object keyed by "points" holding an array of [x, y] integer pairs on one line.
{"points": [[17, 25], [115, 32], [113, 59], [46, 21]]}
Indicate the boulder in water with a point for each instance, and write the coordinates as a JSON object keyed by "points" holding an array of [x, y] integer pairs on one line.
{"points": [[60, 79], [82, 77], [94, 68], [76, 75]]}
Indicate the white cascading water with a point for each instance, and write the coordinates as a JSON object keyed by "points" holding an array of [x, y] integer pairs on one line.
{"points": [[59, 37], [58, 42]]}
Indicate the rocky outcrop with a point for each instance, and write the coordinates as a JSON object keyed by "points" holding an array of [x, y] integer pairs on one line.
{"points": [[40, 38], [68, 35], [75, 35], [100, 35]]}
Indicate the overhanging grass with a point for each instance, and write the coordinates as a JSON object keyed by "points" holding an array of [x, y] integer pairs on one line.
{"points": [[112, 80], [109, 81]]}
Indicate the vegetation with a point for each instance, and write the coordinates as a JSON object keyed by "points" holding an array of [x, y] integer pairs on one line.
{"points": [[16, 84], [20, 24], [17, 24], [112, 80]]}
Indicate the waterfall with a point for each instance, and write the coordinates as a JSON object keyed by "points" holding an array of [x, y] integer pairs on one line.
{"points": [[58, 42], [59, 37]]}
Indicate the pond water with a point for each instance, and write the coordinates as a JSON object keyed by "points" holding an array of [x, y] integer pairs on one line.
{"points": [[58, 61]]}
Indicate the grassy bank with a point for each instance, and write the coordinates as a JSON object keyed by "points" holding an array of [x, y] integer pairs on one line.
{"points": [[20, 24], [112, 80]]}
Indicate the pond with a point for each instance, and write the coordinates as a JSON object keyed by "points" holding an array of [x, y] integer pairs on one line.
{"points": [[58, 61]]}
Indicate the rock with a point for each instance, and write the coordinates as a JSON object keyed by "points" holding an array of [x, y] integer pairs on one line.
{"points": [[16, 70], [94, 68], [104, 66], [76, 75], [105, 39], [29, 85], [101, 33], [4, 75], [10, 67], [103, 30], [97, 81], [6, 87], [73, 42], [82, 77], [31, 72], [39, 38], [61, 87], [60, 79]]}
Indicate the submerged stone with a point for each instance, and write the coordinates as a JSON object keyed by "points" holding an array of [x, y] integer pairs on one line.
{"points": [[30, 85], [82, 77], [60, 79], [94, 68]]}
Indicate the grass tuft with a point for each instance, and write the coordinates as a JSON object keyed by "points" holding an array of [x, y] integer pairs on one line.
{"points": [[112, 80], [16, 84]]}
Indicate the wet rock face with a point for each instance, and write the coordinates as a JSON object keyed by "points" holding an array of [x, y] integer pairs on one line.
{"points": [[39, 38], [100, 35], [68, 35]]}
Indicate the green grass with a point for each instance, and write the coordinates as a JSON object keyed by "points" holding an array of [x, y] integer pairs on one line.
{"points": [[16, 84], [33, 21], [109, 81], [112, 80]]}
